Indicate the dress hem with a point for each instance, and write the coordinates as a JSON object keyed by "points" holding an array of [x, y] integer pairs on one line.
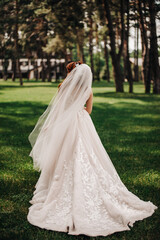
{"points": [[96, 233]]}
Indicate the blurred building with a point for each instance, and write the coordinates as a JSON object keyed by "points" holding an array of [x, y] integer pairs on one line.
{"points": [[32, 69]]}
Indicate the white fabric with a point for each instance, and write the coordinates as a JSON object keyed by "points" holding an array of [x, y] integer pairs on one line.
{"points": [[55, 121], [79, 190]]}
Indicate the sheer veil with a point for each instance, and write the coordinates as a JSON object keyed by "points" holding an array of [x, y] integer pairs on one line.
{"points": [[60, 113]]}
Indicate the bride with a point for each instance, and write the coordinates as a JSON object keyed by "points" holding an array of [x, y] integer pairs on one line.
{"points": [[79, 190]]}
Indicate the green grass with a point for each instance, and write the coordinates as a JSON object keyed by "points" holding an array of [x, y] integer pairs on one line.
{"points": [[129, 127]]}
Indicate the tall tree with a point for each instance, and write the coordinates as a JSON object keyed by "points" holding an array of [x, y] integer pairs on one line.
{"points": [[16, 39], [104, 38], [90, 22], [10, 12], [127, 64], [106, 55], [97, 52], [136, 51], [145, 48], [118, 74], [154, 48], [134, 18], [80, 43]]}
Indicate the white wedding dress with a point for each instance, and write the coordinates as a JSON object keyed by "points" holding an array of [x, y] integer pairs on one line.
{"points": [[80, 192]]}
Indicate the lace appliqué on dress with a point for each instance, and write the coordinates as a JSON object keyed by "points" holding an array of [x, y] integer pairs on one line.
{"points": [[101, 193], [95, 210], [63, 202]]}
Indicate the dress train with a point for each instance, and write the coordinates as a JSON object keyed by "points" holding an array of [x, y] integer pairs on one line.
{"points": [[83, 193]]}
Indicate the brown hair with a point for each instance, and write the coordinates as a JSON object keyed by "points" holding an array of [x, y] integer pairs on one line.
{"points": [[70, 66]]}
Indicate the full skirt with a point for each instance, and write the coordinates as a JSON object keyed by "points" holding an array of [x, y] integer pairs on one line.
{"points": [[82, 193]]}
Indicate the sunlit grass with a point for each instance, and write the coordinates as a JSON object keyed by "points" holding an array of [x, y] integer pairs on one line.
{"points": [[129, 127]]}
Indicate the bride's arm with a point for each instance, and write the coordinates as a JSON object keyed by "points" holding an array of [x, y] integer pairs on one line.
{"points": [[89, 103]]}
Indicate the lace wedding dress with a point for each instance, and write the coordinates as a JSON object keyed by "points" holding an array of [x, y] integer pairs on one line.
{"points": [[79, 190]]}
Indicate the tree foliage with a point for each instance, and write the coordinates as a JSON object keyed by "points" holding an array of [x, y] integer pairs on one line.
{"points": [[94, 31]]}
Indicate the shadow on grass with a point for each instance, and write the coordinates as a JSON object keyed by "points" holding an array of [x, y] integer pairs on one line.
{"points": [[17, 121], [100, 84], [3, 87], [39, 84], [138, 96]]}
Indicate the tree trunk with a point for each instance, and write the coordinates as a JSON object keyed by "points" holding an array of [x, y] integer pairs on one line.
{"points": [[145, 50], [83, 55], [106, 55], [154, 49], [18, 69], [65, 55], [49, 68], [5, 69], [80, 53], [13, 69], [56, 73], [125, 57], [28, 72], [148, 85], [36, 73], [137, 52], [128, 64], [118, 75], [91, 44], [122, 29], [136, 68], [43, 71], [98, 55]]}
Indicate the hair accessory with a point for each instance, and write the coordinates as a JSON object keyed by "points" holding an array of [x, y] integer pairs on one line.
{"points": [[77, 64]]}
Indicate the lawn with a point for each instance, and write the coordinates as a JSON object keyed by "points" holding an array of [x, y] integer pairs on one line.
{"points": [[129, 127]]}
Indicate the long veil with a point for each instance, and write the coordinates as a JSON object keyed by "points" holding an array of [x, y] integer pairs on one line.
{"points": [[47, 136]]}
